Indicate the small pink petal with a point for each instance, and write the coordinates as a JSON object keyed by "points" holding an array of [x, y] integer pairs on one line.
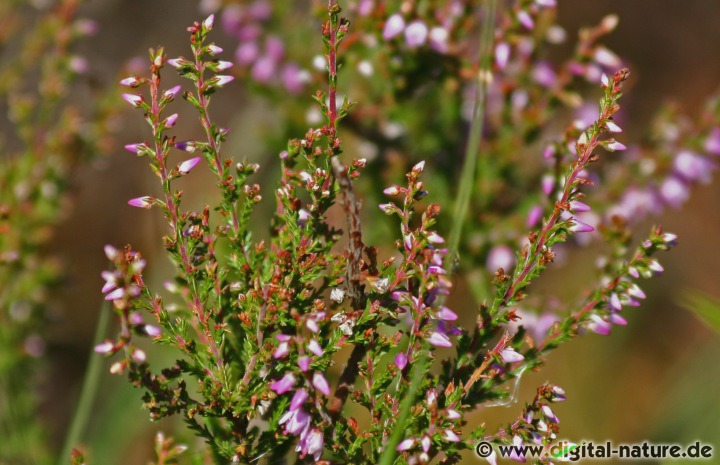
{"points": [[132, 99], [321, 383], [394, 25], [439, 340], [141, 202], [510, 355], [187, 165], [401, 360], [116, 294]]}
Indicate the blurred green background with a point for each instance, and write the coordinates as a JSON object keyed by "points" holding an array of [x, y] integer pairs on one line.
{"points": [[656, 379]]}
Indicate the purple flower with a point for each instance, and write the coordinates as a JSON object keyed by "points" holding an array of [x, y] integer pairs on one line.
{"points": [[401, 360], [674, 191], [294, 78], [209, 22], [416, 34], [152, 331], [599, 326], [712, 142], [132, 99], [692, 167], [439, 339], [510, 355], [615, 146], [221, 79], [134, 148], [171, 120], [284, 384], [321, 384], [131, 81], [297, 421], [534, 215], [525, 19], [171, 93], [311, 442], [263, 70], [315, 348], [141, 202], [617, 319], [579, 226], [446, 314], [274, 48], [394, 25], [304, 363], [450, 436], [282, 350], [438, 39], [502, 54], [544, 74], [298, 399], [247, 53], [577, 206], [500, 256], [187, 165], [214, 49], [104, 348], [406, 444]]}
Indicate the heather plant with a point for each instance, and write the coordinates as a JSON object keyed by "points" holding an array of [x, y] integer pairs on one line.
{"points": [[47, 136], [332, 334], [257, 323]]}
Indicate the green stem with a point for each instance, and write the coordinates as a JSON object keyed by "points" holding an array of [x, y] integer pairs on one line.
{"points": [[89, 390], [420, 368], [475, 164]]}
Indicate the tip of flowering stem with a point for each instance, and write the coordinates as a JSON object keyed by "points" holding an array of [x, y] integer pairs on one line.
{"points": [[132, 99], [418, 168], [141, 202], [209, 22], [187, 165], [110, 252], [604, 80]]}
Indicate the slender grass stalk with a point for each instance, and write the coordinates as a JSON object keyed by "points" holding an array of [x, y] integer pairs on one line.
{"points": [[89, 390], [418, 374], [475, 164]]}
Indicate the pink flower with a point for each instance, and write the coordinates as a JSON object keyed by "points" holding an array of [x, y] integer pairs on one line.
{"points": [[132, 99], [298, 399], [416, 34], [401, 360], [439, 339], [446, 314], [284, 384], [312, 443], [116, 294], [315, 348], [615, 146], [263, 70], [599, 326], [134, 148], [502, 54], [214, 49], [509, 355], [104, 348], [187, 165], [450, 436], [578, 207], [297, 421], [131, 81], [220, 80], [282, 350], [172, 92], [500, 256], [394, 25], [209, 22], [152, 331], [321, 384], [579, 226], [304, 363], [406, 444], [171, 120], [141, 202], [247, 53]]}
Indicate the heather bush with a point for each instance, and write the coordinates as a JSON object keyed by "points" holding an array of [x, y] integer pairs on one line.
{"points": [[442, 147]]}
